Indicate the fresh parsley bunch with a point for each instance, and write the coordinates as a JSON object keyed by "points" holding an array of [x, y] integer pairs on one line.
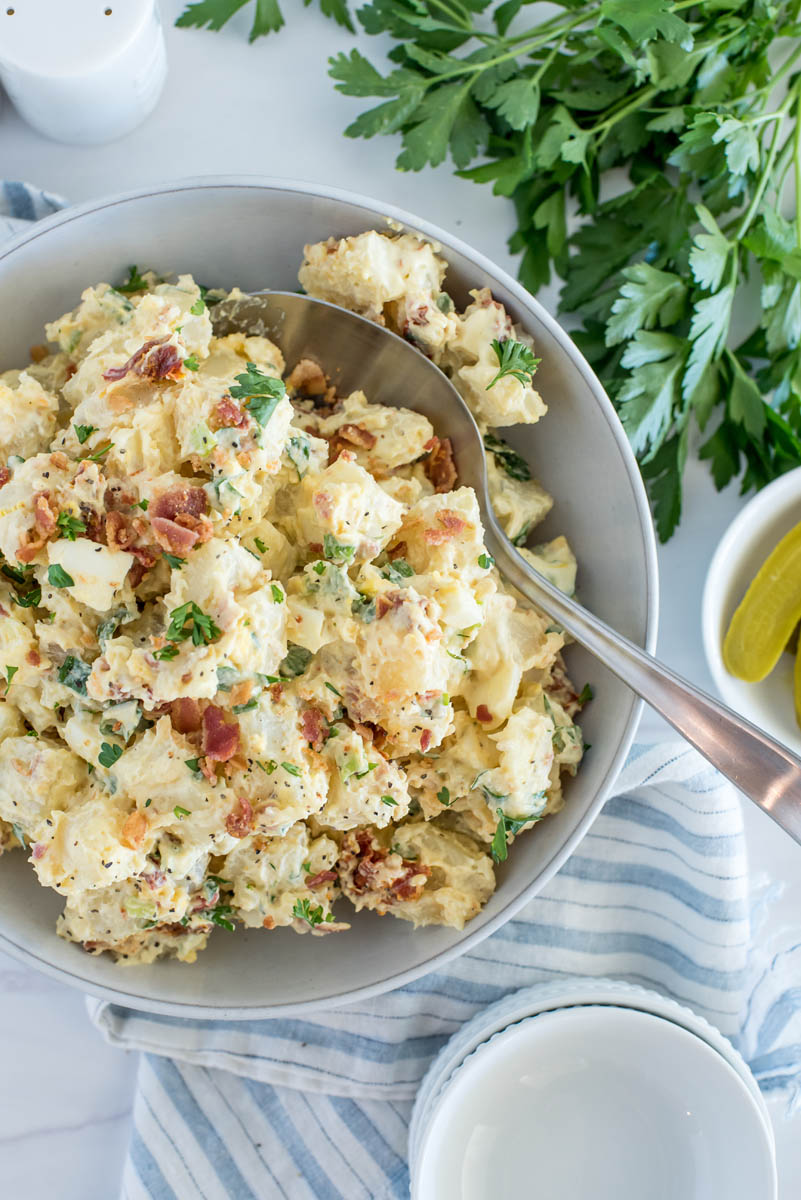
{"points": [[679, 95], [267, 15]]}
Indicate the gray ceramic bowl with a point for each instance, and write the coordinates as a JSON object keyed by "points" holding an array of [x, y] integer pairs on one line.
{"points": [[251, 232]]}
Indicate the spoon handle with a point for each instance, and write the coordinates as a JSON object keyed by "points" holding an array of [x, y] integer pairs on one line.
{"points": [[767, 772]]}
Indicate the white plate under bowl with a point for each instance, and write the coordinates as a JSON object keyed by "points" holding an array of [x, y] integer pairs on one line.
{"points": [[572, 991], [742, 550], [596, 1103], [250, 231]]}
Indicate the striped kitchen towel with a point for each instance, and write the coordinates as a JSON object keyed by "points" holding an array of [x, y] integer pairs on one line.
{"points": [[317, 1107], [21, 203]]}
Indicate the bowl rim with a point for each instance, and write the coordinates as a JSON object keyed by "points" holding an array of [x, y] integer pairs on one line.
{"points": [[526, 303], [749, 519]]}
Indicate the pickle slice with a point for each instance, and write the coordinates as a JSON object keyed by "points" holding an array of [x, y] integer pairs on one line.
{"points": [[767, 613]]}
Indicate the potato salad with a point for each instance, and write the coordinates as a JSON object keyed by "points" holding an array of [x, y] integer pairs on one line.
{"points": [[255, 660]]}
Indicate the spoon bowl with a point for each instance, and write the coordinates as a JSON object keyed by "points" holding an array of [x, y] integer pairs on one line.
{"points": [[358, 354]]}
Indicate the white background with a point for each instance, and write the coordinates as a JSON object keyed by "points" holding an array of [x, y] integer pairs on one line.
{"points": [[65, 1097]]}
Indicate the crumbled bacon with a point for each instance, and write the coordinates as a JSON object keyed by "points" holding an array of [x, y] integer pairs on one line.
{"points": [[451, 523], [207, 769], [229, 415], [5, 475], [562, 690], [239, 821], [173, 537], [399, 550], [33, 658], [240, 693], [39, 353], [59, 460], [315, 881], [134, 829], [308, 379], [276, 691], [371, 732], [185, 715], [220, 739], [323, 505], [314, 727], [349, 435], [38, 850], [366, 867], [120, 532], [425, 740], [153, 360], [439, 466], [178, 501], [269, 922], [388, 602], [44, 521], [483, 714]]}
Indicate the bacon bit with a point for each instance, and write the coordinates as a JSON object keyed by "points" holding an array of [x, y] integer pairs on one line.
{"points": [[316, 547], [33, 658], [315, 881], [59, 460], [372, 733], [208, 769], [153, 360], [115, 373], [269, 922], [180, 500], [155, 878], [483, 714], [323, 505], [425, 740], [201, 525], [314, 727], [439, 466], [173, 537], [5, 475], [363, 869], [44, 516], [452, 520], [240, 693], [38, 850], [120, 532], [239, 821], [349, 435], [39, 353], [308, 379], [400, 550], [134, 830], [229, 415], [388, 602], [185, 715], [276, 691], [136, 574], [220, 739], [70, 369]]}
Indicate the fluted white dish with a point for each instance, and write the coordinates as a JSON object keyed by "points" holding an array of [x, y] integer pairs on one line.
{"points": [[595, 1102]]}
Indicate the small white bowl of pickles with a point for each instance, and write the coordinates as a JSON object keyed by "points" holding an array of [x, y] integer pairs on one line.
{"points": [[751, 609]]}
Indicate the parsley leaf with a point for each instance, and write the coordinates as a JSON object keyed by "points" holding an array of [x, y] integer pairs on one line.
{"points": [[507, 458], [109, 753], [267, 16], [336, 551], [313, 916], [82, 432], [134, 283], [198, 307], [70, 526], [57, 577], [10, 673], [73, 673], [191, 363], [260, 392], [514, 359], [189, 621], [296, 661]]}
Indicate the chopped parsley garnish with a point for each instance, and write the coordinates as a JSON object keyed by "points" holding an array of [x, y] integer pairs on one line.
{"points": [[331, 688], [82, 432], [98, 454], [10, 673], [510, 825], [514, 466], [298, 451], [312, 916], [19, 834], [194, 765], [181, 812], [260, 546], [144, 505], [109, 753], [174, 561], [134, 283], [191, 363], [261, 393], [389, 800], [363, 607], [486, 561], [30, 599], [73, 673], [444, 796], [189, 621], [296, 661], [57, 577], [291, 768], [499, 848], [267, 767], [514, 359], [336, 551], [70, 526], [397, 570], [166, 653], [240, 708], [319, 567], [198, 307], [586, 694], [277, 594], [219, 916]]}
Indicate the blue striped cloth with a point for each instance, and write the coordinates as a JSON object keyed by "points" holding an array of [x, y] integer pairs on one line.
{"points": [[318, 1108]]}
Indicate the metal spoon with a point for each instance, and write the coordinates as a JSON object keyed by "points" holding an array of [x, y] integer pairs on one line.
{"points": [[358, 354]]}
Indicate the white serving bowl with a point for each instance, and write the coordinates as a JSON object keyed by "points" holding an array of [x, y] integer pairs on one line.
{"points": [[596, 1103], [251, 232], [742, 550]]}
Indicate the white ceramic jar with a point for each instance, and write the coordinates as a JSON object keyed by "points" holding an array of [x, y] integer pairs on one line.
{"points": [[82, 71]]}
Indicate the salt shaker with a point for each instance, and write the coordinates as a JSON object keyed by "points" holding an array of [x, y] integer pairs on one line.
{"points": [[82, 71]]}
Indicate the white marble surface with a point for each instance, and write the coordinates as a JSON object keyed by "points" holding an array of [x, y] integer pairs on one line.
{"points": [[66, 1098]]}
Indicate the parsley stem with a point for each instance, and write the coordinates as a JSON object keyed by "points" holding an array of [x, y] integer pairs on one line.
{"points": [[797, 170], [477, 68], [765, 176]]}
